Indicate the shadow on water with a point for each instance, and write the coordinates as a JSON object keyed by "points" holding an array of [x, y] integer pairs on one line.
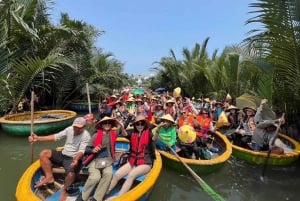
{"points": [[15, 158], [236, 181]]}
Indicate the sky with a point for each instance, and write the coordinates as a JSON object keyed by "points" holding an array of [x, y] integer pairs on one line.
{"points": [[139, 33]]}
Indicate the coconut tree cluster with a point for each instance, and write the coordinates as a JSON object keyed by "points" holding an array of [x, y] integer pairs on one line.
{"points": [[266, 64], [56, 61]]}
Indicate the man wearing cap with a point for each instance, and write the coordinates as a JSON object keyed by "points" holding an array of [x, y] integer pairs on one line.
{"points": [[77, 138]]}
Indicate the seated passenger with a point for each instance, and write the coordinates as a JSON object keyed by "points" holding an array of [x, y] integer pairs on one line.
{"points": [[142, 155], [165, 134], [263, 136]]}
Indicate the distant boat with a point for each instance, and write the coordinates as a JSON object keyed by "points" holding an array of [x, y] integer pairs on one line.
{"points": [[201, 166], [82, 106], [45, 122], [292, 150], [140, 190]]}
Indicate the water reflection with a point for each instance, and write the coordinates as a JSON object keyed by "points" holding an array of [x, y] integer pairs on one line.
{"points": [[236, 181], [174, 186]]}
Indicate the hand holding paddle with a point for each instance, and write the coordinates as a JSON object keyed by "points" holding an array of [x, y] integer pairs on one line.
{"points": [[280, 121], [33, 138]]}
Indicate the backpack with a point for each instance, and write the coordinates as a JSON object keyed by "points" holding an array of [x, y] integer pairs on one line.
{"points": [[204, 153]]}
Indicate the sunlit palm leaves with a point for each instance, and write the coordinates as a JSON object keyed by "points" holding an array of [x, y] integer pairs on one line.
{"points": [[279, 43], [55, 61]]}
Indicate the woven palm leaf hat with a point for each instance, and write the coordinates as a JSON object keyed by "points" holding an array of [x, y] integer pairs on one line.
{"points": [[252, 108], [142, 118], [170, 101], [105, 119], [232, 107], [169, 118]]}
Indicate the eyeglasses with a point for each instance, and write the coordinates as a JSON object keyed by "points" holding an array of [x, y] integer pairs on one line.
{"points": [[140, 123]]}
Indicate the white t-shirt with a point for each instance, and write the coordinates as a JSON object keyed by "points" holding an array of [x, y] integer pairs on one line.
{"points": [[73, 144]]}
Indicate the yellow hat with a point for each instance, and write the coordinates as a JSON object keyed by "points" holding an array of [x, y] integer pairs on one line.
{"points": [[206, 100], [176, 92], [187, 134]]}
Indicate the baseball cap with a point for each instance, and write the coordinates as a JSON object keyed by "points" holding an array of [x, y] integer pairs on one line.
{"points": [[79, 122]]}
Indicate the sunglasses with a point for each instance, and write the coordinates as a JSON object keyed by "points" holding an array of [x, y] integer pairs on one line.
{"points": [[140, 123], [107, 123]]}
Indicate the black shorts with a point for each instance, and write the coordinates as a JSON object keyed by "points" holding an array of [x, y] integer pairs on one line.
{"points": [[59, 159]]}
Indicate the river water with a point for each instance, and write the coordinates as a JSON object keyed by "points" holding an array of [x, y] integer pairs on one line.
{"points": [[236, 181]]}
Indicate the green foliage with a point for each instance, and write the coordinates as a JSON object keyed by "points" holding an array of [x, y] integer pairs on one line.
{"points": [[54, 61], [278, 42]]}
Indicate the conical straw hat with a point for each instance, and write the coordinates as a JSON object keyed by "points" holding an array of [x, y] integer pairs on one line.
{"points": [[168, 117]]}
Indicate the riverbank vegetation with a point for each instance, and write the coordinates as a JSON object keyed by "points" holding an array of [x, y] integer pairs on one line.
{"points": [[58, 60]]}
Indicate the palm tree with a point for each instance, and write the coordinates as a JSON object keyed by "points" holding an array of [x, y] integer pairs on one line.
{"points": [[278, 43], [54, 61], [169, 72]]}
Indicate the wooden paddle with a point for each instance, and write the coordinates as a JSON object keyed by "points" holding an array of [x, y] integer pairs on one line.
{"points": [[88, 97], [269, 151], [31, 126], [202, 183]]}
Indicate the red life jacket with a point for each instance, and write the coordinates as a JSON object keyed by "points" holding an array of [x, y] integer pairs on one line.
{"points": [[139, 147], [113, 138]]}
